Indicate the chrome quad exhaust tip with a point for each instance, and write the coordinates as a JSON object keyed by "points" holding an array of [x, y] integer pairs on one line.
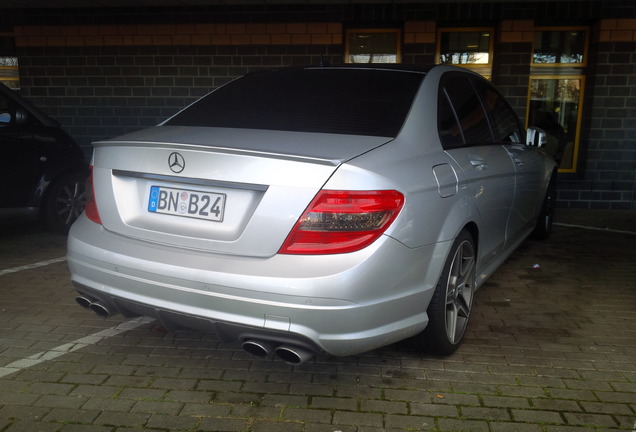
{"points": [[293, 355]]}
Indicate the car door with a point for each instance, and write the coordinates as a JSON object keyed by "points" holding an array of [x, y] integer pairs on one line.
{"points": [[19, 168], [528, 162], [467, 137]]}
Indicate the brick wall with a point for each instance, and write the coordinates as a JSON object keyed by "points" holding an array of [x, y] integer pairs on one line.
{"points": [[101, 80], [607, 178], [511, 63]]}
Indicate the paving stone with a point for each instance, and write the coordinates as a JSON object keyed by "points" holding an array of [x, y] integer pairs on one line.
{"points": [[285, 401], [223, 425], [456, 399], [329, 428], [171, 422], [585, 419], [141, 394], [505, 401], [56, 401], [238, 398], [277, 426], [384, 407], [542, 354], [121, 419], [334, 403], [463, 425], [433, 410], [61, 415], [607, 408], [95, 390], [85, 428], [108, 404], [266, 388], [28, 426], [556, 404], [361, 392], [514, 427], [498, 414], [219, 386], [157, 407], [356, 418], [308, 415], [409, 422], [537, 416], [174, 383], [625, 397]]}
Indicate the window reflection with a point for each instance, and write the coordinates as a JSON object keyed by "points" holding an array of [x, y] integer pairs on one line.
{"points": [[465, 47], [9, 71], [554, 106], [373, 46], [559, 47]]}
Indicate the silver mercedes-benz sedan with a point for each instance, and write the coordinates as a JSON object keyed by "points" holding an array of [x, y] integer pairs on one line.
{"points": [[315, 210]]}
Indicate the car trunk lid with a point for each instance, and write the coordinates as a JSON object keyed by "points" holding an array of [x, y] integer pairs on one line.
{"points": [[231, 191]]}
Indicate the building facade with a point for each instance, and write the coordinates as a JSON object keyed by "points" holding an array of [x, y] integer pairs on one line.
{"points": [[566, 66]]}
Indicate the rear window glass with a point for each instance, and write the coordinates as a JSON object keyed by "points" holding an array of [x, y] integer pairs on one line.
{"points": [[339, 101]]}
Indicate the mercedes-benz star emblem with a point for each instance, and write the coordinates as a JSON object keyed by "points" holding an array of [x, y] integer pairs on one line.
{"points": [[176, 162]]}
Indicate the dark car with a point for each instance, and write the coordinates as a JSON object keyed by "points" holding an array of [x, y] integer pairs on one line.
{"points": [[44, 170]]}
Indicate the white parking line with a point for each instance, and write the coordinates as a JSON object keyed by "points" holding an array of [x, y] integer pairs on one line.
{"points": [[66, 348], [595, 228], [32, 266]]}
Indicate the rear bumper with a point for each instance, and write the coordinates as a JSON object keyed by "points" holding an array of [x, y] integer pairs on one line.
{"points": [[339, 304]]}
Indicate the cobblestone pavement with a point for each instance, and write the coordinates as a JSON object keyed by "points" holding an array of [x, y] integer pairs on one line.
{"points": [[551, 347]]}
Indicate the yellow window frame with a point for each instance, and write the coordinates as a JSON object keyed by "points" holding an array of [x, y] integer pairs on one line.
{"points": [[484, 69], [555, 108], [562, 29]]}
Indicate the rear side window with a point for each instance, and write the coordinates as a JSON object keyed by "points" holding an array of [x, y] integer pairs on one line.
{"points": [[505, 122], [340, 101], [470, 125]]}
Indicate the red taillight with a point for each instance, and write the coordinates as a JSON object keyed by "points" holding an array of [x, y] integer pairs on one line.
{"points": [[343, 221], [91, 206]]}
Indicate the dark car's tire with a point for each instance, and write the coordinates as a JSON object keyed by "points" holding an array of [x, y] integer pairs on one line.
{"points": [[64, 202], [543, 229], [450, 307]]}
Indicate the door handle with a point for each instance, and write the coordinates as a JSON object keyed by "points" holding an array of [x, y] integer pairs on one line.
{"points": [[479, 163]]}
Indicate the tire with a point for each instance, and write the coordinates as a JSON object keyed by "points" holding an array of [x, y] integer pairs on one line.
{"points": [[65, 202], [543, 229], [450, 307]]}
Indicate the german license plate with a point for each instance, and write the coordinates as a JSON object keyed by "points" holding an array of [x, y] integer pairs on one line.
{"points": [[187, 203]]}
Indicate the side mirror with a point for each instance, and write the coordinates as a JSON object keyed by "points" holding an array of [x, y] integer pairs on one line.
{"points": [[536, 137], [21, 116]]}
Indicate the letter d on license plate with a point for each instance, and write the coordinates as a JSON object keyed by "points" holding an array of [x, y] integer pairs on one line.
{"points": [[187, 203]]}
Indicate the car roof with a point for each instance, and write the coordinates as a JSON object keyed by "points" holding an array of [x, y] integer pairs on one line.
{"points": [[398, 67]]}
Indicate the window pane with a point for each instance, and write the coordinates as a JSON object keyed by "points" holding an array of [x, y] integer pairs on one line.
{"points": [[373, 47], [464, 47], [449, 132], [505, 122], [339, 101], [555, 47], [9, 71], [471, 115], [554, 107]]}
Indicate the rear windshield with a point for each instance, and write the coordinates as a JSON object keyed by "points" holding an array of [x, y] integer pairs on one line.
{"points": [[340, 101]]}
